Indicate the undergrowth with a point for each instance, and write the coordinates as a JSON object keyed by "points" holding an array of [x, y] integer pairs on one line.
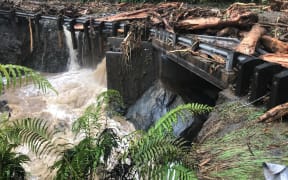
{"points": [[239, 154]]}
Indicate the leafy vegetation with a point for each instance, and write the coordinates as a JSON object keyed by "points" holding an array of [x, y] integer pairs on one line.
{"points": [[154, 154], [82, 161], [158, 154], [10, 162], [26, 131], [11, 75], [34, 133], [240, 153]]}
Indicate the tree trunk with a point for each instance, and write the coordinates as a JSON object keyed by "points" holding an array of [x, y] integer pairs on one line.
{"points": [[274, 45], [281, 59], [249, 42], [274, 113]]}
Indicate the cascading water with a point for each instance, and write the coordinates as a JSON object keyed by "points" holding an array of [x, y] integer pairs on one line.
{"points": [[73, 65], [77, 88]]}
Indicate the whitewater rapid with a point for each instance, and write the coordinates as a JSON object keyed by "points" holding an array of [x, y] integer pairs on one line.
{"points": [[77, 89]]}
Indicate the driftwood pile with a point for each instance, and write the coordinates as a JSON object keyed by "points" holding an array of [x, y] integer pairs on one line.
{"points": [[255, 25], [54, 8], [240, 20]]}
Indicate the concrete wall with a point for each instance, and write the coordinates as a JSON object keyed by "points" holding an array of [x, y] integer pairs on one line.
{"points": [[134, 77]]}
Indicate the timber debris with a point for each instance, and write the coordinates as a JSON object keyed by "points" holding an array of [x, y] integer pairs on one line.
{"points": [[242, 21], [275, 113], [256, 26]]}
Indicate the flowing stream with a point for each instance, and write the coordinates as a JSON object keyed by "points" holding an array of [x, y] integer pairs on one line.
{"points": [[77, 88]]}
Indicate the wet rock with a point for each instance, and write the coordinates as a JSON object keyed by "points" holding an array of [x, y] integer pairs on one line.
{"points": [[156, 102], [14, 46], [47, 56], [4, 106]]}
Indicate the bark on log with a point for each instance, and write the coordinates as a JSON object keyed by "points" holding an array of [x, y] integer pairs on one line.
{"points": [[138, 14], [249, 42], [167, 26], [228, 31], [31, 35], [281, 59], [215, 22], [274, 114], [274, 45]]}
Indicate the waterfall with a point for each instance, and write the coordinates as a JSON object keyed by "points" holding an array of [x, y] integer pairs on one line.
{"points": [[73, 64], [100, 73], [77, 89]]}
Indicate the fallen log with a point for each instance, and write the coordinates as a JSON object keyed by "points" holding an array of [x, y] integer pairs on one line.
{"points": [[274, 114], [217, 22], [281, 59], [274, 45], [138, 14], [249, 42], [228, 31], [167, 25]]}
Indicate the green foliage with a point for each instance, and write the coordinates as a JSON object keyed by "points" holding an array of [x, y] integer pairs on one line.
{"points": [[250, 144], [152, 155], [165, 123], [13, 74], [35, 133], [82, 161], [88, 121], [28, 131], [157, 154], [10, 162]]}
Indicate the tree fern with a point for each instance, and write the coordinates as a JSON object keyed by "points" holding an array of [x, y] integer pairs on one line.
{"points": [[13, 74], [165, 123], [35, 133]]}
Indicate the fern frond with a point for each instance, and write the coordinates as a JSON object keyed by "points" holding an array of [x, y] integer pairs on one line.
{"points": [[157, 149], [110, 100], [158, 157], [152, 152], [165, 123], [106, 102], [107, 140], [13, 74], [79, 161], [35, 133], [10, 162], [171, 171], [88, 120], [178, 171]]}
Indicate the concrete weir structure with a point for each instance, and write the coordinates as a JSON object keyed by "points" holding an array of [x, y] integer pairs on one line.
{"points": [[248, 74], [130, 77]]}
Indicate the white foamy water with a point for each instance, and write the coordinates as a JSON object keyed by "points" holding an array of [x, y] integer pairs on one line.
{"points": [[73, 65], [77, 89]]}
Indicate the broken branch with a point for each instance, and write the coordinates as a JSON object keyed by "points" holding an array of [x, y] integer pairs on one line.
{"points": [[249, 42], [274, 113]]}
